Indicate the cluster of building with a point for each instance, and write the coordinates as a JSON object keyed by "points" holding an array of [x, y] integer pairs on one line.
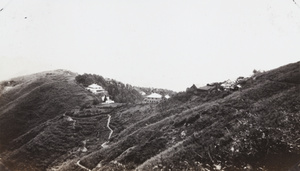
{"points": [[152, 98], [227, 85]]}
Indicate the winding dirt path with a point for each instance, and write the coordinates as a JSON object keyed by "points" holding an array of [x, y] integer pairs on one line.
{"points": [[104, 145], [83, 167], [108, 122]]}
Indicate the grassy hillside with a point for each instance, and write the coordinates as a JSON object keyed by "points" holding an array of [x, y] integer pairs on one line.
{"points": [[253, 128], [256, 127], [35, 99]]}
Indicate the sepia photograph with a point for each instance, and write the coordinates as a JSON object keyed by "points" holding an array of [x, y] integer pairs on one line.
{"points": [[160, 85]]}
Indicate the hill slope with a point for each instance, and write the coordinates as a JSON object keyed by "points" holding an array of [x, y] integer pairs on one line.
{"points": [[256, 127], [33, 100]]}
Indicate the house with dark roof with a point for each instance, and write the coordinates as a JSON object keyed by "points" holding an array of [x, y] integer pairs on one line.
{"points": [[205, 88], [198, 89]]}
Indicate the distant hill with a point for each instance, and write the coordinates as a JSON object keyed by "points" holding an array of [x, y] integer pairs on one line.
{"points": [[255, 127]]}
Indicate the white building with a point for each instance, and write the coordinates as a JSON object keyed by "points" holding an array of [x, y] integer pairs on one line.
{"points": [[228, 84], [95, 88], [153, 98], [107, 100], [143, 93], [167, 96]]}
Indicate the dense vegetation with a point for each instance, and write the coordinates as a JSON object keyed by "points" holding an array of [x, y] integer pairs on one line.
{"points": [[119, 92]]}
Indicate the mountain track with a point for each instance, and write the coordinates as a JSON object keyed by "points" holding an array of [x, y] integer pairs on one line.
{"points": [[108, 122], [83, 167]]}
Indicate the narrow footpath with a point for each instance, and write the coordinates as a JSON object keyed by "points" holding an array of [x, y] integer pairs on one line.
{"points": [[104, 145], [83, 167], [111, 131]]}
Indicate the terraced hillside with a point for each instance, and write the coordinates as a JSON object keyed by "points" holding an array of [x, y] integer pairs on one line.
{"points": [[253, 128]]}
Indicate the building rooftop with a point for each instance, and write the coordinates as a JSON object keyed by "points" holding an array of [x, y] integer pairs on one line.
{"points": [[95, 86], [204, 87], [154, 95]]}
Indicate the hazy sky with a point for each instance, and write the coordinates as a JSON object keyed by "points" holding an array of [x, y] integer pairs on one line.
{"points": [[158, 43]]}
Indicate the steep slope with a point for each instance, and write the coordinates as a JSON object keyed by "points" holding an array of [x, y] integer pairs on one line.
{"points": [[35, 113], [61, 138], [255, 128], [34, 99]]}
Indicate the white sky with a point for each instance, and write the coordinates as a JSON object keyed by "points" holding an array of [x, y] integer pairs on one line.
{"points": [[166, 44]]}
